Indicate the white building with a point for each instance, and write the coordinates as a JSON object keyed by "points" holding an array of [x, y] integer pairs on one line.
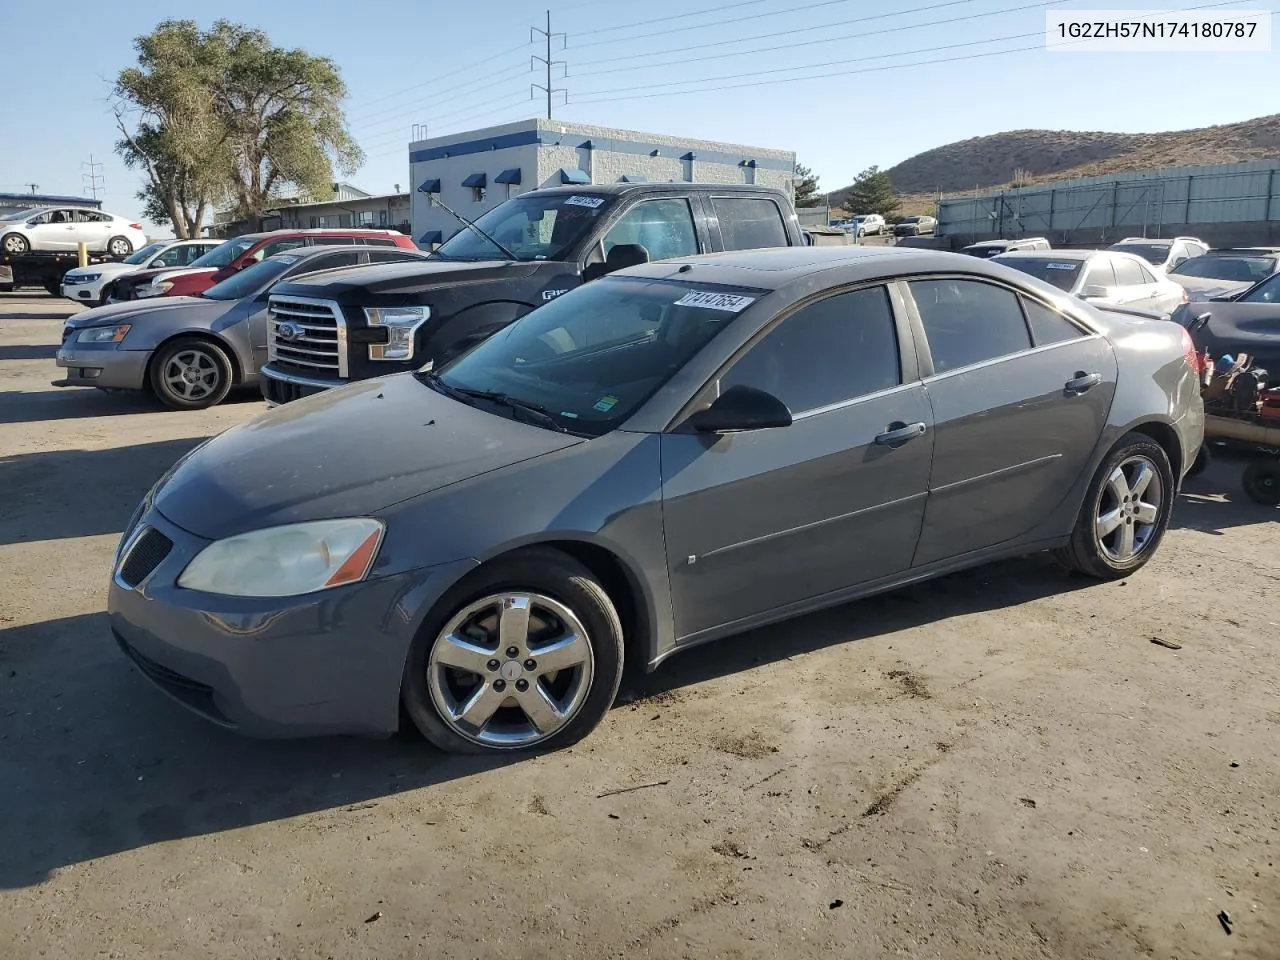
{"points": [[475, 171]]}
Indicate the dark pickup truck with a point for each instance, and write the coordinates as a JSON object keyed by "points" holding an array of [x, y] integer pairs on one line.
{"points": [[371, 321]]}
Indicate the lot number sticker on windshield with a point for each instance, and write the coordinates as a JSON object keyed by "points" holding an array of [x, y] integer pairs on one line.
{"points": [[576, 201], [1061, 266], [731, 303]]}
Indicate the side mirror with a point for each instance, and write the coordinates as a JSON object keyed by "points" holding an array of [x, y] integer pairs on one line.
{"points": [[742, 408], [1094, 291], [1199, 322]]}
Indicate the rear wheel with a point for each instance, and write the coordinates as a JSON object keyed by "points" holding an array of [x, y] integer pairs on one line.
{"points": [[525, 654], [190, 373], [119, 247], [15, 243], [1125, 513], [1261, 481]]}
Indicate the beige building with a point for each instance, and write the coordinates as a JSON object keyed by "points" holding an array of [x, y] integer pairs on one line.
{"points": [[348, 207]]}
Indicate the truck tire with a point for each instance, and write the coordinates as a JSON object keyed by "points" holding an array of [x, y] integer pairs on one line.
{"points": [[15, 243]]}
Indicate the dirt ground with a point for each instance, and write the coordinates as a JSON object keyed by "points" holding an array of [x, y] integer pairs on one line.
{"points": [[997, 764]]}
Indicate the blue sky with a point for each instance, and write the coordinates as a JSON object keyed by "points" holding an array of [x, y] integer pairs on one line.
{"points": [[457, 66]]}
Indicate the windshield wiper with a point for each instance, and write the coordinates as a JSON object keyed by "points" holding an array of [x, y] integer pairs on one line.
{"points": [[467, 223], [537, 413]]}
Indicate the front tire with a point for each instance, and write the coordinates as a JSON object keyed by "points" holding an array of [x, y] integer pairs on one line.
{"points": [[523, 654], [119, 247], [1125, 513], [190, 374], [1261, 482], [15, 243]]}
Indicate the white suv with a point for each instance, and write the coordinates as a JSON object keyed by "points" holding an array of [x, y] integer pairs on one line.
{"points": [[51, 229], [865, 225], [85, 284], [1165, 254]]}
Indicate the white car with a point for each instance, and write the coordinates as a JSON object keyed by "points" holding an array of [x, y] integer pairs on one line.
{"points": [[85, 284], [866, 224], [1106, 278], [51, 229]]}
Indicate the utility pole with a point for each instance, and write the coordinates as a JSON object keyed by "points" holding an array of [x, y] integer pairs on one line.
{"points": [[548, 63], [35, 187], [90, 177]]}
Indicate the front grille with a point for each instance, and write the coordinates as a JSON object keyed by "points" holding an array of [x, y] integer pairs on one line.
{"points": [[144, 556], [306, 335], [196, 695], [282, 391]]}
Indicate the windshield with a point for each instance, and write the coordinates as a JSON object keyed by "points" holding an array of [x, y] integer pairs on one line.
{"points": [[1153, 253], [224, 253], [145, 254], [591, 357], [544, 227], [251, 279], [1242, 268], [1061, 273], [1268, 291]]}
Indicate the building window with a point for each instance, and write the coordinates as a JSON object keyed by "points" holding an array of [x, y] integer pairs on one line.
{"points": [[315, 222], [321, 222], [382, 218], [477, 194]]}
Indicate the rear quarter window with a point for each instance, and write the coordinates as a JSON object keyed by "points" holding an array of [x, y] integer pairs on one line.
{"points": [[750, 223]]}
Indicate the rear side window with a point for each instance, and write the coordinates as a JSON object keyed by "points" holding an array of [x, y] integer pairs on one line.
{"points": [[379, 242], [328, 240], [749, 223], [1128, 273], [1147, 275], [1100, 273], [1047, 325], [967, 321], [828, 352]]}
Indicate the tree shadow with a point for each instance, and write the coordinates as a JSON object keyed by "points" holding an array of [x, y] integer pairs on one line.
{"points": [[73, 403]]}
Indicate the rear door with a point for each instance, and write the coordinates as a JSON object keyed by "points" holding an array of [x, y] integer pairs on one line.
{"points": [[1020, 394], [758, 520]]}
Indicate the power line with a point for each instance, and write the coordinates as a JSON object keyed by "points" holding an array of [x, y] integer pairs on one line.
{"points": [[713, 23], [493, 81], [678, 16], [446, 76]]}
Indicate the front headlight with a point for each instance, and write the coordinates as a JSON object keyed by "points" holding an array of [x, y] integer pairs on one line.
{"points": [[83, 277], [401, 323], [164, 286], [287, 561], [103, 334]]}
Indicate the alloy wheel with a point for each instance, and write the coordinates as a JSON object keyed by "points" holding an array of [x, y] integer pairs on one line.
{"points": [[120, 247], [192, 374], [1128, 513], [510, 669]]}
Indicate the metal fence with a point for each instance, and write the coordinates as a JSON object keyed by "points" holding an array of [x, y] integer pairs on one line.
{"points": [[1160, 203]]}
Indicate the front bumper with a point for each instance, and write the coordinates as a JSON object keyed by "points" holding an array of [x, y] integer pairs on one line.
{"points": [[280, 386], [85, 292], [102, 365], [325, 663]]}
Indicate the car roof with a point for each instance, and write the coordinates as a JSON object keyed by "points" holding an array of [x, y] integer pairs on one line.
{"points": [[619, 189], [318, 232]]}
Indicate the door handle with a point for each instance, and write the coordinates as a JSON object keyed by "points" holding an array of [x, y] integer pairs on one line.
{"points": [[899, 433], [1081, 382]]}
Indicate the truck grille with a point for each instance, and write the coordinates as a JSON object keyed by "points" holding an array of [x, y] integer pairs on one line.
{"points": [[307, 335]]}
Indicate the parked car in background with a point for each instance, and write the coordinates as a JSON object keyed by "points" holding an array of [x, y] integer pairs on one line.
{"points": [[522, 253], [676, 453], [866, 224], [1224, 273], [1165, 254], [190, 351], [236, 254], [1103, 277], [85, 284], [915, 226], [993, 248], [1250, 324], [50, 229]]}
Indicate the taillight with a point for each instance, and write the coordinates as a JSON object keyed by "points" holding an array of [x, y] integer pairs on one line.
{"points": [[135, 226], [1189, 350]]}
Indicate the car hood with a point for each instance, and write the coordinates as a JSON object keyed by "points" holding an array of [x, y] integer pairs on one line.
{"points": [[142, 309], [1252, 328], [102, 269], [347, 452], [393, 284], [1206, 288]]}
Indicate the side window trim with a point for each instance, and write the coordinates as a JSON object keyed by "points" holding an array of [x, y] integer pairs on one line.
{"points": [[907, 360]]}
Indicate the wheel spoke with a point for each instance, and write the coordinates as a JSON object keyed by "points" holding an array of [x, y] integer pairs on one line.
{"points": [[539, 708], [1118, 483], [1142, 479], [461, 654], [561, 654], [1107, 522], [481, 705], [1124, 542], [513, 622], [1147, 512]]}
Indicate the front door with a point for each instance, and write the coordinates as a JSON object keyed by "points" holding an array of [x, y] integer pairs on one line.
{"points": [[1020, 395], [55, 230], [760, 519]]}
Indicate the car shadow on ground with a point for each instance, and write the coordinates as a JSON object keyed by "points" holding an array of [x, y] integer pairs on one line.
{"points": [[56, 494], [95, 761], [1215, 501]]}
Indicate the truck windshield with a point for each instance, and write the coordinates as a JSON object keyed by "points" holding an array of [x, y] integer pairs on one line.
{"points": [[587, 360], [544, 227]]}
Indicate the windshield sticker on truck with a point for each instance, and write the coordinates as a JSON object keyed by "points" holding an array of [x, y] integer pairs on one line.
{"points": [[730, 303], [1061, 266], [605, 403], [577, 201]]}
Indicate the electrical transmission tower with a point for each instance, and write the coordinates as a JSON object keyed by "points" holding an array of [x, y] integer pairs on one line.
{"points": [[90, 176], [548, 63]]}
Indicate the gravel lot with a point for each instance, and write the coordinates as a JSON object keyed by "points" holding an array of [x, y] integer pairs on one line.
{"points": [[997, 764]]}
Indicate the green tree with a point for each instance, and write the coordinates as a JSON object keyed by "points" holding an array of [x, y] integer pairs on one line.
{"points": [[872, 192], [806, 187]]}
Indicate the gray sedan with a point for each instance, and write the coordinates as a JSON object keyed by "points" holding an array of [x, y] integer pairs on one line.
{"points": [[675, 453], [191, 351]]}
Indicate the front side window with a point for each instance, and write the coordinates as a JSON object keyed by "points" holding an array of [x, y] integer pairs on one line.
{"points": [[173, 257], [225, 253], [967, 321], [590, 358], [546, 227], [749, 223], [139, 257], [831, 351], [1268, 291], [280, 246], [662, 227]]}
